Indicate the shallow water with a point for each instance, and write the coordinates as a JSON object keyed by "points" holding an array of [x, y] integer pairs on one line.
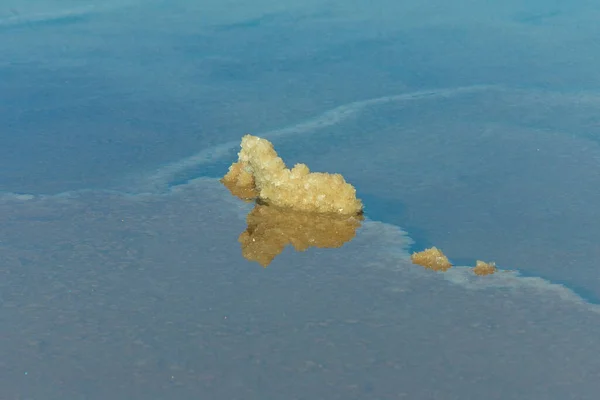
{"points": [[475, 131], [147, 296]]}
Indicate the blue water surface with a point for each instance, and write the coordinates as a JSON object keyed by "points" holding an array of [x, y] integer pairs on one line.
{"points": [[468, 125]]}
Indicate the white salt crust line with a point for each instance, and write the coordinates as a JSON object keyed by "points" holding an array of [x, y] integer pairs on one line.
{"points": [[464, 276], [395, 243], [159, 180], [392, 239]]}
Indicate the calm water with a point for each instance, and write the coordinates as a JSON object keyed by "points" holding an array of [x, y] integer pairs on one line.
{"points": [[467, 126]]}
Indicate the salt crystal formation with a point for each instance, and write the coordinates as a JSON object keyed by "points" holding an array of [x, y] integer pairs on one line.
{"points": [[260, 173], [432, 258], [484, 268]]}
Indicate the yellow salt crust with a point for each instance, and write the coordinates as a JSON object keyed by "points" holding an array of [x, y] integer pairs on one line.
{"points": [[260, 172]]}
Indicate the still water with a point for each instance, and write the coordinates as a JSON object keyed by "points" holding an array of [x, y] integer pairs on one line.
{"points": [[473, 129]]}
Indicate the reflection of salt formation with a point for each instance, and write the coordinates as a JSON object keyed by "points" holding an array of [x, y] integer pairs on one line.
{"points": [[431, 258], [483, 268], [260, 173], [271, 229]]}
